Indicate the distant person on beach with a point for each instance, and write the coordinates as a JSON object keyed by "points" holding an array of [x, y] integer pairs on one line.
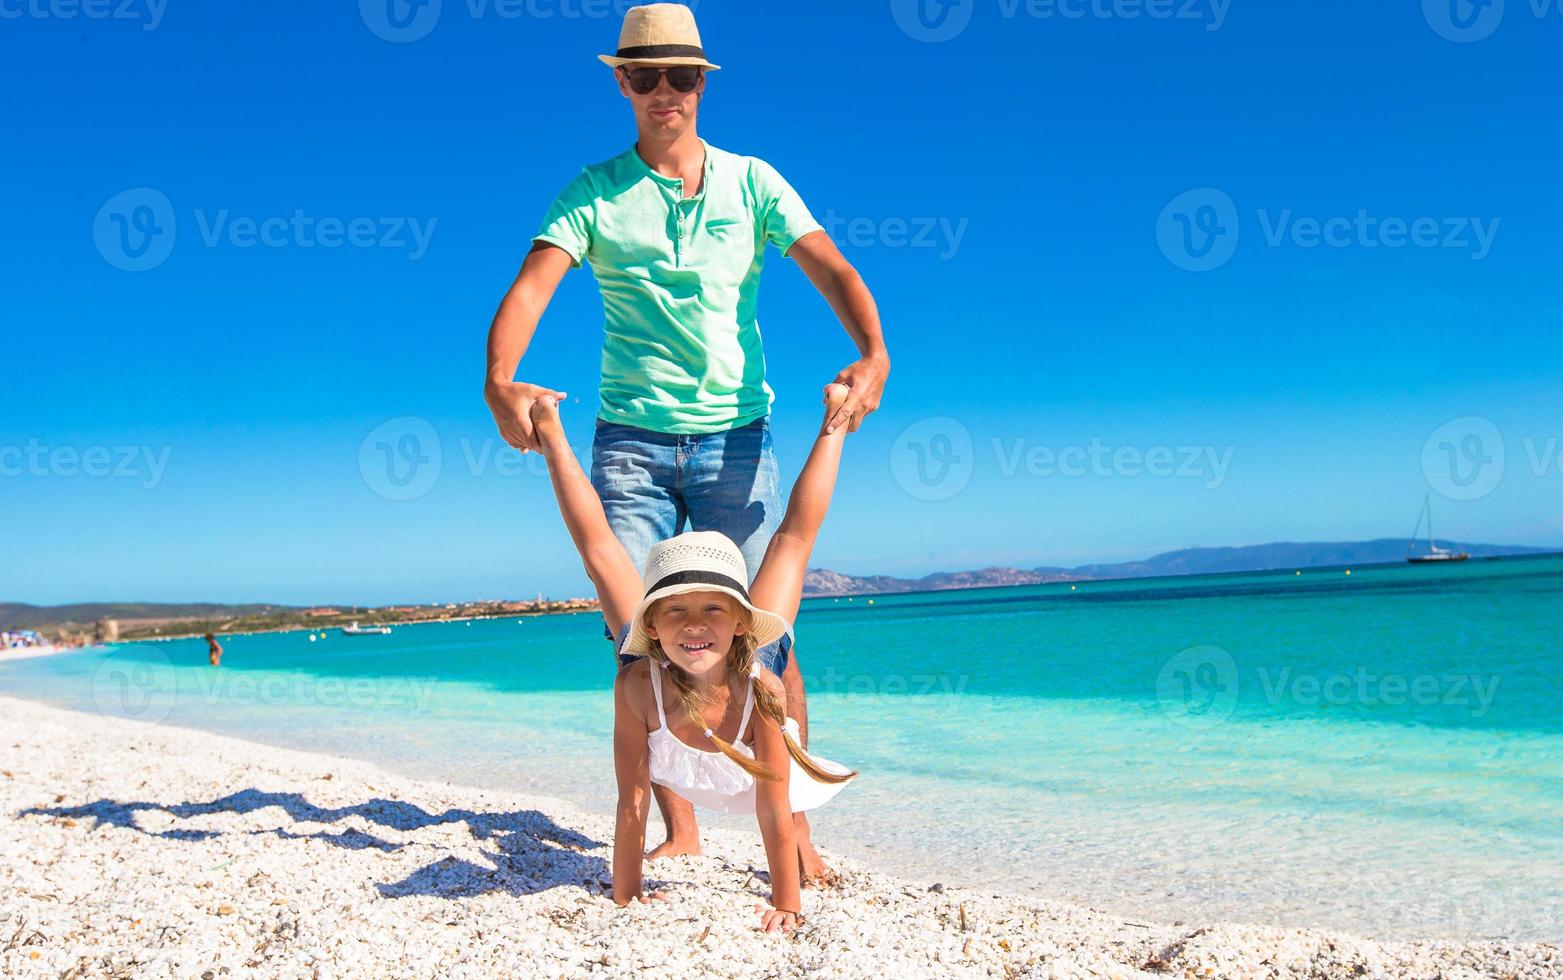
{"points": [[214, 651], [675, 231], [699, 707]]}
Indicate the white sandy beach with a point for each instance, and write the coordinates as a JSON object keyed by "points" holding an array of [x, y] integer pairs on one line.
{"points": [[28, 653], [132, 849]]}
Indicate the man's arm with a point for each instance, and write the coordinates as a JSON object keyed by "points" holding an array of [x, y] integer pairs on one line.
{"points": [[848, 296], [508, 338]]}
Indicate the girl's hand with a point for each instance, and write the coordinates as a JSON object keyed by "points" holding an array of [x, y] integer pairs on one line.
{"points": [[779, 920], [838, 412], [865, 378], [547, 431], [511, 404]]}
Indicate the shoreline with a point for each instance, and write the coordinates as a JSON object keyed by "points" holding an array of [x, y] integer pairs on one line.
{"points": [[337, 627], [136, 846], [30, 653], [590, 605]]}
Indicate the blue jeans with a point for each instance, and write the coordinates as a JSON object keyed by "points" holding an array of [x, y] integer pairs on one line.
{"points": [[652, 483]]}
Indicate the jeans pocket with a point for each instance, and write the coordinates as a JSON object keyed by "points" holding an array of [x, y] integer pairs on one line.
{"points": [[608, 433]]}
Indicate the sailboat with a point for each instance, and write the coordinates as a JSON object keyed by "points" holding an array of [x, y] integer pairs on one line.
{"points": [[1434, 553], [356, 630]]}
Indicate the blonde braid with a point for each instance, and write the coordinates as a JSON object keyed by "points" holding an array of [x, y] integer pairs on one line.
{"points": [[741, 661], [694, 702], [774, 708]]}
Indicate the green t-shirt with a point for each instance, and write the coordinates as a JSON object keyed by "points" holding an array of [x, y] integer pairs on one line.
{"points": [[680, 281]]}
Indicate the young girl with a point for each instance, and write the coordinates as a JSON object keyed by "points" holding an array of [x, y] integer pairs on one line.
{"points": [[697, 712]]}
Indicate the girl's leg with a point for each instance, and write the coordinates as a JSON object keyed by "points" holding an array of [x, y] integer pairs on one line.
{"points": [[731, 485], [811, 494], [678, 816], [779, 587], [812, 871], [607, 564], [634, 472], [779, 584]]}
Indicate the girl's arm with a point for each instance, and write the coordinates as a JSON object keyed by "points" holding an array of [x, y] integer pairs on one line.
{"points": [[631, 767], [773, 809], [607, 563], [778, 586]]}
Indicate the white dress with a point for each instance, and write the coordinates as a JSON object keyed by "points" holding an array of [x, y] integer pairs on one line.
{"points": [[712, 780]]}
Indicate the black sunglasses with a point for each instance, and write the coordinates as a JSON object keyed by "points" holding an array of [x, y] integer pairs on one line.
{"points": [[643, 81]]}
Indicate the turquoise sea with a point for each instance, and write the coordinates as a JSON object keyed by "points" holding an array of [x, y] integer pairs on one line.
{"points": [[1379, 751]]}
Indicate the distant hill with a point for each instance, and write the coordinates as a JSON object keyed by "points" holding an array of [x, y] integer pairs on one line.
{"points": [[820, 581], [142, 620], [1284, 554], [823, 582], [1188, 561], [20, 615]]}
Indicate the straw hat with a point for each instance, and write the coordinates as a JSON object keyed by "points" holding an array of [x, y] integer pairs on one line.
{"points": [[659, 34], [698, 561]]}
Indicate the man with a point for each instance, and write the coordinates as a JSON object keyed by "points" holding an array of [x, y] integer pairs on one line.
{"points": [[675, 231]]}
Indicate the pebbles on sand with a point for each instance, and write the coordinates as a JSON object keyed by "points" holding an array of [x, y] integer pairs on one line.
{"points": [[136, 850]]}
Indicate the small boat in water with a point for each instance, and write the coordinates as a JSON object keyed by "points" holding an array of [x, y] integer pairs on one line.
{"points": [[356, 630], [1434, 553]]}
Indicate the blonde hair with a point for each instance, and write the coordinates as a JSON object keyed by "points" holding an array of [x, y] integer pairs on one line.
{"points": [[740, 661]]}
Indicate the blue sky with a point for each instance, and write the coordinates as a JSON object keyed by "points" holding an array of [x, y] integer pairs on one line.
{"points": [[1356, 306]]}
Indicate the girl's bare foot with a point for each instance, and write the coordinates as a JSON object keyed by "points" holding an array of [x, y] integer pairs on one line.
{"points": [[673, 848], [811, 867], [825, 879]]}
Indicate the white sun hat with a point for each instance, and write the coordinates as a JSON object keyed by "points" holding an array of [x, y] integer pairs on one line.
{"points": [[659, 34], [698, 561]]}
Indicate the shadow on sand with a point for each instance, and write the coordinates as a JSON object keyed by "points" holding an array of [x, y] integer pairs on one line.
{"points": [[533, 854]]}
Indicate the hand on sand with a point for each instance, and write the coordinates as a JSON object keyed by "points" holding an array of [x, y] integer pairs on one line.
{"points": [[835, 396], [778, 920]]}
